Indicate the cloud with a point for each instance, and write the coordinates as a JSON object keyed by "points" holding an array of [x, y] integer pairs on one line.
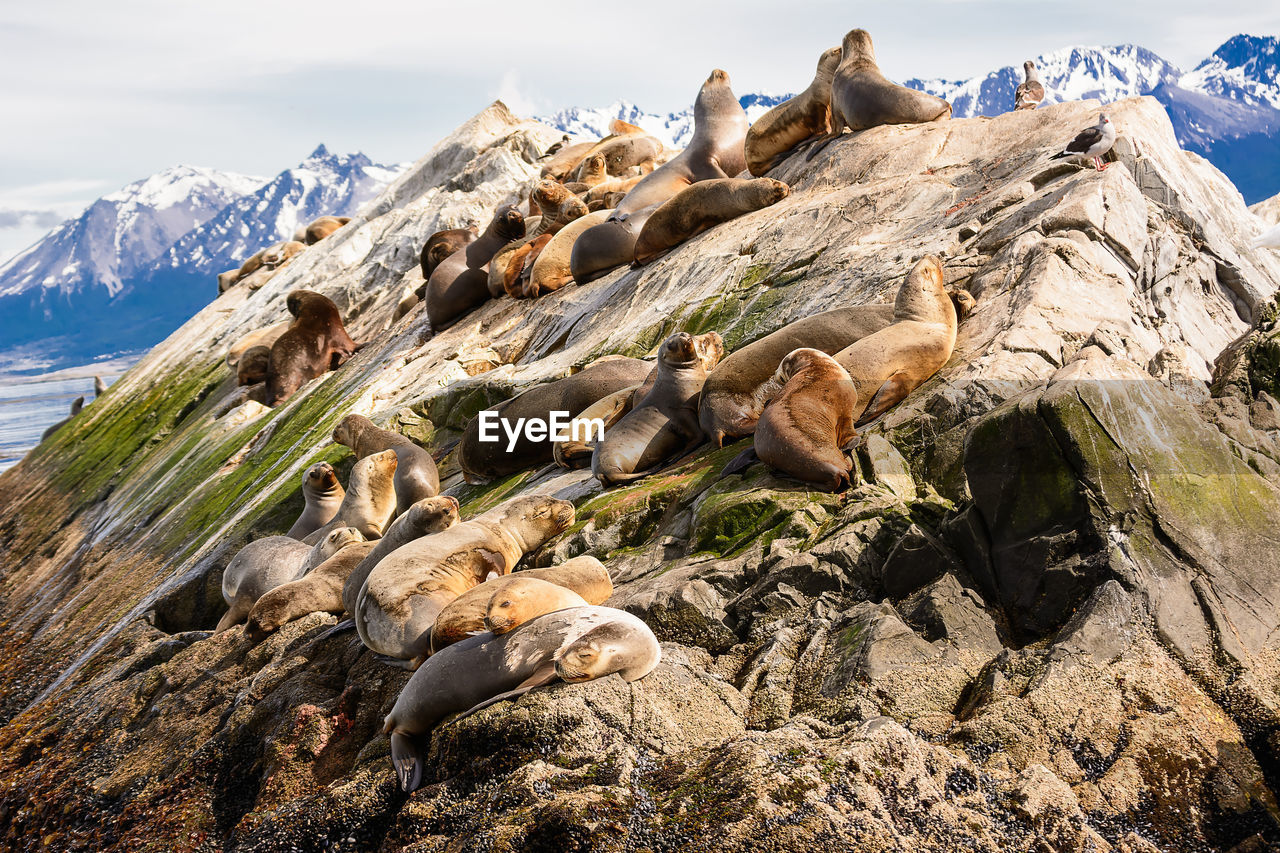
{"points": [[29, 218], [509, 93]]}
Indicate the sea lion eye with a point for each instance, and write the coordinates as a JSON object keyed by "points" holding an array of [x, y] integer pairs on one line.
{"points": [[505, 604]]}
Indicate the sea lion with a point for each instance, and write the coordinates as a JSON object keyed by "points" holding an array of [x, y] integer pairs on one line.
{"points": [[460, 282], [863, 98], [888, 365], [315, 343], [259, 337], [252, 367], [575, 645], [322, 496], [427, 516], [484, 460], [265, 564], [416, 475], [228, 279], [515, 599], [590, 171], [599, 194], [802, 429], [76, 405], [663, 424], [318, 229], [701, 206], [565, 160], [552, 270], [410, 586], [370, 500], [794, 121], [99, 387], [440, 246], [274, 257], [624, 155], [515, 279], [714, 151], [318, 591]]}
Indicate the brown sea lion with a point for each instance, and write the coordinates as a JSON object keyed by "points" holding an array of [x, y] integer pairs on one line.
{"points": [[227, 280], [484, 460], [715, 151], [662, 425], [252, 366], [552, 270], [511, 601], [624, 155], [427, 516], [416, 475], [315, 343], [803, 428], [461, 282], [576, 645], [76, 405], [888, 365], [410, 586], [259, 337], [318, 591], [318, 229], [565, 160], [862, 97], [701, 206], [591, 170], [370, 500], [599, 194], [322, 496], [793, 122], [265, 564], [440, 246], [515, 279]]}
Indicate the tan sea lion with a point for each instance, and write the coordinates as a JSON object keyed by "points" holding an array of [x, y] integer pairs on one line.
{"points": [[322, 495], [440, 246], [664, 424], [252, 366], [259, 337], [315, 343], [318, 229], [565, 160], [793, 122], [515, 279], [416, 475], [461, 282], [803, 429], [701, 206], [228, 279], [370, 500], [590, 171], [512, 601], [627, 154], [888, 365], [552, 270], [427, 516], [265, 564], [599, 194], [318, 591], [410, 586], [863, 98], [714, 151], [575, 645], [485, 460]]}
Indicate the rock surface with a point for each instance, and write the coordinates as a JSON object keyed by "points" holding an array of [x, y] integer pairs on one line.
{"points": [[1044, 618]]}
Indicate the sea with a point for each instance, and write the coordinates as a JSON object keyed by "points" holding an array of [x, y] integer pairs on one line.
{"points": [[31, 404]]}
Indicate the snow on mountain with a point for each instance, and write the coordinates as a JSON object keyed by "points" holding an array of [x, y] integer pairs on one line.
{"points": [[323, 183], [122, 232], [674, 129], [1245, 69]]}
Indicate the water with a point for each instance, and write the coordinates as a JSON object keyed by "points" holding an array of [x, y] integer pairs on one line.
{"points": [[31, 404]]}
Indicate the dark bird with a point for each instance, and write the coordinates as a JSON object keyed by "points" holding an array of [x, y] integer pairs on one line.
{"points": [[1092, 142]]}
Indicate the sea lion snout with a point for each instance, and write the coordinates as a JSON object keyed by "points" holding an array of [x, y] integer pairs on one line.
{"points": [[718, 76], [680, 347]]}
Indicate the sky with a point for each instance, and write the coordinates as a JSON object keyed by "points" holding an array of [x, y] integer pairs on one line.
{"points": [[96, 95]]}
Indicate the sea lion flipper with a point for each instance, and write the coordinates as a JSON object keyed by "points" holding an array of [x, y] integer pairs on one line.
{"points": [[891, 393], [396, 662], [407, 760], [341, 628], [741, 462]]}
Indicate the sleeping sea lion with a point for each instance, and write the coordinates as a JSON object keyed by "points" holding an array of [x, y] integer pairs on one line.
{"points": [[461, 282], [701, 206]]}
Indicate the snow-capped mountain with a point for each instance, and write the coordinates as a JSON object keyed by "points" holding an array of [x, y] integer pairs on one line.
{"points": [[122, 232], [1227, 109], [324, 183]]}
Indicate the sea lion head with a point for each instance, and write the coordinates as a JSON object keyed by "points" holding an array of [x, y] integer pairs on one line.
{"points": [[592, 168], [333, 542], [508, 223], [769, 191], [679, 350], [348, 430], [798, 360], [923, 285], [548, 193], [533, 519], [717, 76], [710, 349], [857, 48], [308, 305], [714, 97], [964, 302], [622, 647], [522, 599], [432, 515], [829, 62], [320, 477]]}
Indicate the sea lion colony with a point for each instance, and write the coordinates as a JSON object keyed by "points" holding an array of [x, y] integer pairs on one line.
{"points": [[429, 591]]}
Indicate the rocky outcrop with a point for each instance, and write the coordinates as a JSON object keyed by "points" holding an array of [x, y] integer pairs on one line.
{"points": [[1043, 618]]}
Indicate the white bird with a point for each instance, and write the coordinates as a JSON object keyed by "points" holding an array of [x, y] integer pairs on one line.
{"points": [[1029, 94], [1092, 142], [1269, 239]]}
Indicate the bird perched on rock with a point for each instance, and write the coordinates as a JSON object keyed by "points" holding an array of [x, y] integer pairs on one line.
{"points": [[1029, 93], [1092, 142], [1269, 239]]}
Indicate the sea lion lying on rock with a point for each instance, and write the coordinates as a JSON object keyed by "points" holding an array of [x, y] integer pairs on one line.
{"points": [[322, 496], [501, 604], [252, 366], [265, 336], [315, 343], [439, 247], [804, 428], [863, 98], [701, 206], [793, 122], [553, 269], [575, 645], [318, 229], [427, 516], [461, 282], [410, 586], [416, 475], [76, 405]]}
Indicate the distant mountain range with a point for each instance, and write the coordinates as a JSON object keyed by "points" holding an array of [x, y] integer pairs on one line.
{"points": [[138, 262]]}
